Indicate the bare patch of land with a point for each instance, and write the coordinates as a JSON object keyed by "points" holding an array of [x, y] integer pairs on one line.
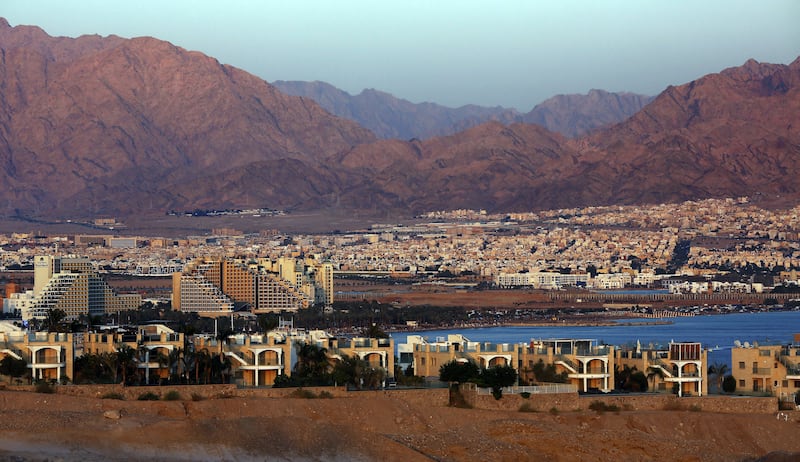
{"points": [[395, 425]]}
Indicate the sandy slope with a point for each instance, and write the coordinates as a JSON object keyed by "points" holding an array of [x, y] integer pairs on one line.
{"points": [[369, 426]]}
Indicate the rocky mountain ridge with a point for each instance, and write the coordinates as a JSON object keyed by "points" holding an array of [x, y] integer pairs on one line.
{"points": [[104, 125], [390, 117]]}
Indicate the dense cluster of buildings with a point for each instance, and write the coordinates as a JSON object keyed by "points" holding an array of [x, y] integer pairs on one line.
{"points": [[214, 286], [257, 359], [610, 240], [159, 353], [595, 247], [680, 367]]}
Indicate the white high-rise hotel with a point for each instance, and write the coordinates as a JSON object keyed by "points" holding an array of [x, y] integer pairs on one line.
{"points": [[70, 284]]}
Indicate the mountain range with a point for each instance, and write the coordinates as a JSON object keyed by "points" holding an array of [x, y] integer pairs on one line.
{"points": [[105, 125], [395, 118]]}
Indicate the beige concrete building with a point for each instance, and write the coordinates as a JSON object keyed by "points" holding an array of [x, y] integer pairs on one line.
{"points": [[773, 369], [258, 359], [588, 366], [681, 368], [50, 356], [154, 346]]}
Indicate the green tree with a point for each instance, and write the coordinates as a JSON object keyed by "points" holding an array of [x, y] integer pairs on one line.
{"points": [[267, 322], [498, 377], [718, 370], [638, 382], [459, 371], [13, 367], [125, 359], [110, 362], [376, 332], [313, 366], [175, 361], [54, 321], [349, 371], [546, 373], [729, 384], [652, 373], [630, 379]]}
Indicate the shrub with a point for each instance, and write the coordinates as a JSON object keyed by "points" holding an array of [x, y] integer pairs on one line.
{"points": [[172, 395], [729, 384], [526, 407], [45, 387], [525, 394], [673, 405], [149, 396], [303, 394], [325, 395], [197, 397], [600, 407], [497, 393], [113, 395]]}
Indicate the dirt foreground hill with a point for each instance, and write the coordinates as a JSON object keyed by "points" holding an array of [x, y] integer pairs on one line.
{"points": [[392, 425]]}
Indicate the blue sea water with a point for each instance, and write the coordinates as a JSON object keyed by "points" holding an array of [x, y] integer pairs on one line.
{"points": [[718, 332]]}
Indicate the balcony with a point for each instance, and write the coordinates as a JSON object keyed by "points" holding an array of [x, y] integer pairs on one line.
{"points": [[765, 371]]}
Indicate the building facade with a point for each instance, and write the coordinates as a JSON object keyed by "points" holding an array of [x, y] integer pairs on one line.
{"points": [[217, 286], [72, 285], [773, 369]]}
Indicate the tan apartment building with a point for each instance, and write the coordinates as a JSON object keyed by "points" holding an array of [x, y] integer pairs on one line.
{"points": [[588, 366], [153, 345], [259, 359], [429, 356], [773, 369], [378, 352], [50, 356], [681, 368]]}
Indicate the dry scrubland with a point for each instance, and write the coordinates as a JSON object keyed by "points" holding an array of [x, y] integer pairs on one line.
{"points": [[413, 425]]}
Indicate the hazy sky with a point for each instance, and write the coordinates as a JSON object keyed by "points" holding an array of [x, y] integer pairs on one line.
{"points": [[513, 53]]}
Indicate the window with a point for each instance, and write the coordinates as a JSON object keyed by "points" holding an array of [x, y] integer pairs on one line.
{"points": [[785, 384], [741, 382], [741, 365]]}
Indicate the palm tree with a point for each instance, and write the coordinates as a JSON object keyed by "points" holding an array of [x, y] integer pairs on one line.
{"points": [[55, 316], [188, 362], [110, 361], [126, 357], [312, 363], [174, 362], [718, 370], [652, 373], [202, 361]]}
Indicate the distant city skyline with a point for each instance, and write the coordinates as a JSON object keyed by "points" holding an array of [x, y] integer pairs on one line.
{"points": [[514, 54]]}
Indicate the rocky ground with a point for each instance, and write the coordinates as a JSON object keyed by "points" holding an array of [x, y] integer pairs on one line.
{"points": [[372, 426]]}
